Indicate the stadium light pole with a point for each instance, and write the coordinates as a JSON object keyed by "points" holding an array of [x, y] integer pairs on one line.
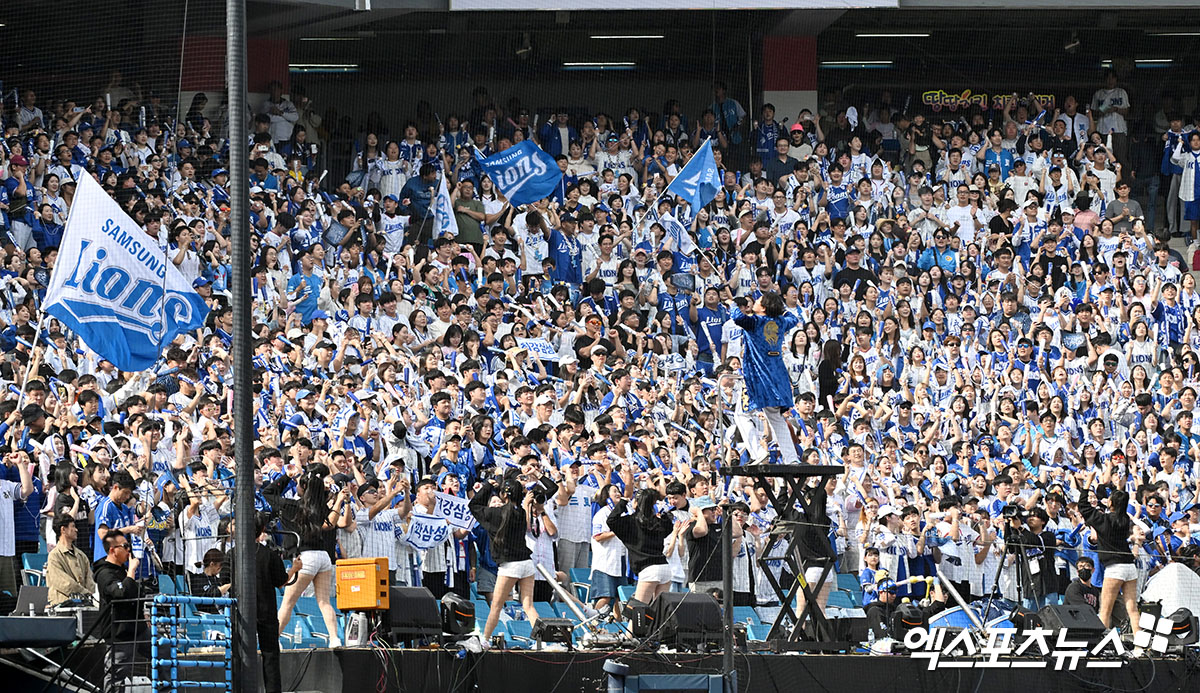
{"points": [[245, 659]]}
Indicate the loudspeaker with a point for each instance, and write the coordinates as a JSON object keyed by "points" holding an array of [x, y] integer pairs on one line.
{"points": [[686, 618], [458, 614], [906, 617], [553, 630], [641, 618], [1080, 622], [413, 614], [850, 629]]}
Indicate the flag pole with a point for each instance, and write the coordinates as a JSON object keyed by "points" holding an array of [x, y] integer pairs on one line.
{"points": [[245, 622], [37, 335]]}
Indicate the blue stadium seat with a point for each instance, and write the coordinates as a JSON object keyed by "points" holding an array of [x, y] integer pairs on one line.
{"points": [[625, 592], [581, 580], [757, 632], [34, 568], [519, 634], [545, 610], [843, 600], [746, 614], [848, 582], [166, 585]]}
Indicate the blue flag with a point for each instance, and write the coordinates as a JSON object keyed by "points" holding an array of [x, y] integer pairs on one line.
{"points": [[699, 180], [523, 172], [116, 288]]}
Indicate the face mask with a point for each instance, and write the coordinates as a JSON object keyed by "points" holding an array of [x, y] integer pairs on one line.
{"points": [[1085, 575]]}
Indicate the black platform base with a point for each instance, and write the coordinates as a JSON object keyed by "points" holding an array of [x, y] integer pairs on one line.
{"points": [[444, 671], [433, 671]]}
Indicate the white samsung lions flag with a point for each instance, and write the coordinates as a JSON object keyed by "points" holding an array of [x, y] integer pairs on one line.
{"points": [[443, 212], [114, 286]]}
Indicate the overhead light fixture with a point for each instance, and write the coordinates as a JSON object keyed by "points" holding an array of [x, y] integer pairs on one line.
{"points": [[856, 64], [611, 37], [620, 65], [1152, 63], [330, 38], [1160, 33], [914, 34], [326, 68]]}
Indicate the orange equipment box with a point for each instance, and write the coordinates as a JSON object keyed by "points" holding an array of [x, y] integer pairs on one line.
{"points": [[362, 584]]}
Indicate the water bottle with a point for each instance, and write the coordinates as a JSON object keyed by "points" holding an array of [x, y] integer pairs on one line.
{"points": [[297, 634], [870, 638]]}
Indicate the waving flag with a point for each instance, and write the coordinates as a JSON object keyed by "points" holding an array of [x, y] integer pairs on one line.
{"points": [[523, 172], [443, 212], [679, 235], [115, 288], [699, 180]]}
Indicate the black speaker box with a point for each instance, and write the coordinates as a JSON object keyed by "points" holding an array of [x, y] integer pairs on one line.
{"points": [[641, 618], [850, 629], [458, 614], [1080, 622], [686, 618], [413, 613]]}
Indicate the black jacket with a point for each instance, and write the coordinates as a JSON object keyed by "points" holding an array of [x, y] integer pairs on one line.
{"points": [[122, 593], [505, 526], [1112, 530], [644, 542], [271, 575]]}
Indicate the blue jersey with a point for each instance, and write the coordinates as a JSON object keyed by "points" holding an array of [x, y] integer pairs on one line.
{"points": [[837, 201], [568, 258], [112, 516], [767, 381]]}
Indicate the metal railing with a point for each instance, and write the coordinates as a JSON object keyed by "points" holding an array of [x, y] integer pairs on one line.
{"points": [[176, 630]]}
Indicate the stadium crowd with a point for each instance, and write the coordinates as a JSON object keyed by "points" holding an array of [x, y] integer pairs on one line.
{"points": [[986, 324]]}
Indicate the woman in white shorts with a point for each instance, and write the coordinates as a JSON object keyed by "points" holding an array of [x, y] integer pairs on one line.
{"points": [[316, 517], [644, 534], [506, 522], [1112, 547]]}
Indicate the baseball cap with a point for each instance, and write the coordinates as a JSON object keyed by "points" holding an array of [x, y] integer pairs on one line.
{"points": [[703, 503], [320, 315], [199, 282], [304, 393], [18, 160], [796, 127], [543, 399], [887, 509]]}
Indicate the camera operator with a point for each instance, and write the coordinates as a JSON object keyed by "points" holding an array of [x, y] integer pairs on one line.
{"points": [[269, 577], [1033, 549]]}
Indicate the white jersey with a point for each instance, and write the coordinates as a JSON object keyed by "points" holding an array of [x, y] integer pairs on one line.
{"points": [[199, 535], [379, 534], [393, 229]]}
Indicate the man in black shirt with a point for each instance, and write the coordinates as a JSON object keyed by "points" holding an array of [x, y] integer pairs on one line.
{"points": [[853, 273], [269, 577], [1081, 590], [703, 537], [119, 595]]}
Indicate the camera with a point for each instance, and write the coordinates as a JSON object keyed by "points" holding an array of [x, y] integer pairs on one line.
{"points": [[1013, 512]]}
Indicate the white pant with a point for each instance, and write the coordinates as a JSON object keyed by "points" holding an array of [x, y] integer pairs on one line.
{"points": [[783, 435]]}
